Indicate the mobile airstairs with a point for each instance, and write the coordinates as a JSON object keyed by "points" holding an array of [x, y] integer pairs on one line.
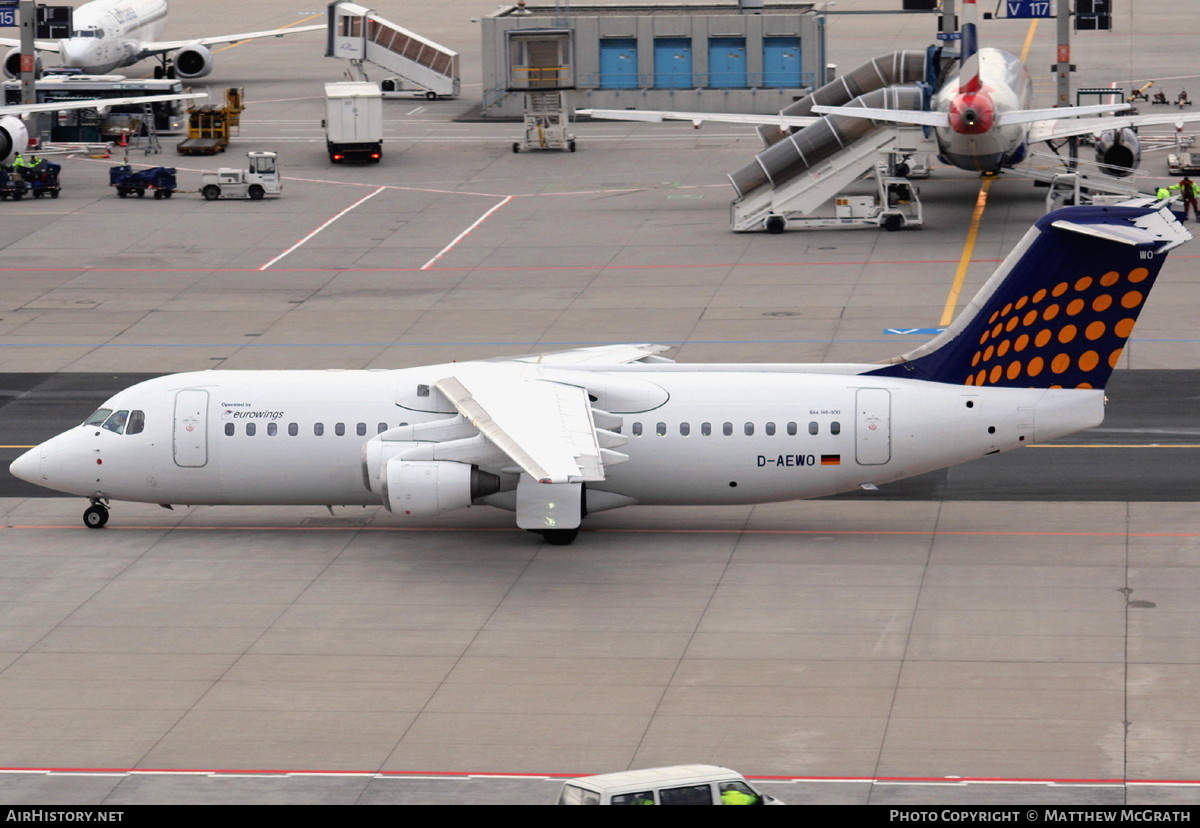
{"points": [[360, 35]]}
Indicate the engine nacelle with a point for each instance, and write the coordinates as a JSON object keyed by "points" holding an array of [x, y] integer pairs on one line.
{"points": [[1118, 151], [12, 64], [375, 454], [422, 488], [14, 138], [194, 61]]}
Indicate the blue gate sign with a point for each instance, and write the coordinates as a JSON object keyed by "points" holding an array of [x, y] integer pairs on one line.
{"points": [[8, 15], [1028, 8]]}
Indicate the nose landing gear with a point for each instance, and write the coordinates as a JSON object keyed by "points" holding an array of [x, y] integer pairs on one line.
{"points": [[95, 516]]}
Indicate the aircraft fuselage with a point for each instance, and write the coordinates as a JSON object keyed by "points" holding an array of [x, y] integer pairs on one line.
{"points": [[1006, 83], [108, 34]]}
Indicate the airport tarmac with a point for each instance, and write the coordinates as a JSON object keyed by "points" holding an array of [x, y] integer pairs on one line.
{"points": [[1022, 629]]}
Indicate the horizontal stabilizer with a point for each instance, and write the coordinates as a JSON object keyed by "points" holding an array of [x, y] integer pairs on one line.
{"points": [[697, 118], [1028, 116], [894, 116]]}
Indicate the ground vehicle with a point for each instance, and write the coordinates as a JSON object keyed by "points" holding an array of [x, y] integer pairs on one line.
{"points": [[259, 180], [12, 186], [353, 121], [135, 182], [43, 179], [674, 785]]}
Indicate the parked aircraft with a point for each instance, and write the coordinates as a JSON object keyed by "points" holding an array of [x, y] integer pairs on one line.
{"points": [[109, 34], [14, 135], [555, 437], [980, 114]]}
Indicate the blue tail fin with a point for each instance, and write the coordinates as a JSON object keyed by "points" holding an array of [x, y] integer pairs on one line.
{"points": [[1059, 309]]}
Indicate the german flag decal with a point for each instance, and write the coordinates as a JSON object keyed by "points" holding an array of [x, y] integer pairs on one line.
{"points": [[831, 459]]}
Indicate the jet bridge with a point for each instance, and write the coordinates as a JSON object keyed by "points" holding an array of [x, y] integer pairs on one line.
{"points": [[360, 35], [805, 169]]}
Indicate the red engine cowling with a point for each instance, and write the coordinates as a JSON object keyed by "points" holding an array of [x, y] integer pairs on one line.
{"points": [[14, 138], [1118, 151], [193, 61]]}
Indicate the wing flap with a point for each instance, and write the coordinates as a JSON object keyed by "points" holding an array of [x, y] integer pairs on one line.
{"points": [[545, 427]]}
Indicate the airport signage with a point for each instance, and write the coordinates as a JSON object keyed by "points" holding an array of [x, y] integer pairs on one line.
{"points": [[1028, 8], [949, 36], [8, 14]]}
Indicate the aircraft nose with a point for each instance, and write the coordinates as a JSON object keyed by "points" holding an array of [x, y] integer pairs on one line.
{"points": [[28, 466]]}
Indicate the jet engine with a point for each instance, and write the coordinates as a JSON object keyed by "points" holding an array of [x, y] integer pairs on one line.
{"points": [[422, 488], [194, 61], [12, 64], [1118, 151], [14, 138]]}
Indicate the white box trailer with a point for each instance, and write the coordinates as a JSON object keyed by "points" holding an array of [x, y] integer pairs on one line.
{"points": [[353, 121]]}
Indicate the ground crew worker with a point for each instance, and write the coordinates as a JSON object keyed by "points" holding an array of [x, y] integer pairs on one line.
{"points": [[1188, 191], [732, 794], [20, 165], [1162, 193]]}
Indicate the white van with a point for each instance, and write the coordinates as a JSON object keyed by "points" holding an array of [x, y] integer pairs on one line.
{"points": [[675, 785]]}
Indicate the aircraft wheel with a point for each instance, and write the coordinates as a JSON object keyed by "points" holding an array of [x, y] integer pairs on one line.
{"points": [[559, 537], [95, 516], [776, 224], [211, 193], [158, 73], [256, 192]]}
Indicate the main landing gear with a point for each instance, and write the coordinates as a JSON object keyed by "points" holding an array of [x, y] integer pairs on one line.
{"points": [[96, 515], [558, 537]]}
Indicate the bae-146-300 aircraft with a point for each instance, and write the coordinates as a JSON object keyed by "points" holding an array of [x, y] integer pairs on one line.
{"points": [[557, 436], [980, 114], [109, 34]]}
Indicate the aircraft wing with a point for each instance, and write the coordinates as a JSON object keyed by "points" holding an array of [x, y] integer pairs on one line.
{"points": [[96, 103], [896, 116], [1049, 130], [40, 45], [599, 355], [697, 118], [157, 47], [545, 427]]}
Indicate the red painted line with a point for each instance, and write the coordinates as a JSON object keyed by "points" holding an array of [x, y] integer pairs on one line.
{"points": [[559, 775]]}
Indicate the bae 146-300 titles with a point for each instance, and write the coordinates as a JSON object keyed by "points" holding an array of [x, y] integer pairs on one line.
{"points": [[554, 437]]}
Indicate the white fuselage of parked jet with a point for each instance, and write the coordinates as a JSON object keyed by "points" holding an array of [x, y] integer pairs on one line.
{"points": [[696, 434], [1004, 87], [109, 34]]}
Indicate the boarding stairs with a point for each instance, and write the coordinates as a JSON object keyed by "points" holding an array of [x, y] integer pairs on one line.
{"points": [[360, 35], [547, 118]]}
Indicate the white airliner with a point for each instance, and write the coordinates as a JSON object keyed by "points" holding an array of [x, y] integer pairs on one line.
{"points": [[109, 34], [557, 436], [14, 135], [980, 114]]}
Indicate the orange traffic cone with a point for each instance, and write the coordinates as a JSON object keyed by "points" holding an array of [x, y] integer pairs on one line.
{"points": [[123, 138]]}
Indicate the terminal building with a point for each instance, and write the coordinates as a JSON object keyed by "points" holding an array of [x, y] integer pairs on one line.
{"points": [[734, 56]]}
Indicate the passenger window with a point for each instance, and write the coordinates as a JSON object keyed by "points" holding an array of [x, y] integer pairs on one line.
{"points": [[272, 429], [339, 429], [250, 429], [770, 429], [791, 429], [98, 417], [116, 423], [661, 429], [813, 428], [691, 795], [137, 422], [749, 429], [706, 429], [685, 429], [229, 429], [637, 429], [293, 429], [361, 430], [835, 427], [382, 428], [727, 429], [318, 429]]}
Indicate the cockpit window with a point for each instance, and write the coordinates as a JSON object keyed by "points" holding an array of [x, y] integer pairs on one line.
{"points": [[137, 422], [87, 33], [116, 422], [100, 416]]}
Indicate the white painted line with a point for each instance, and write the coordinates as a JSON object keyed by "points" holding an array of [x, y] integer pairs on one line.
{"points": [[322, 227], [464, 233]]}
